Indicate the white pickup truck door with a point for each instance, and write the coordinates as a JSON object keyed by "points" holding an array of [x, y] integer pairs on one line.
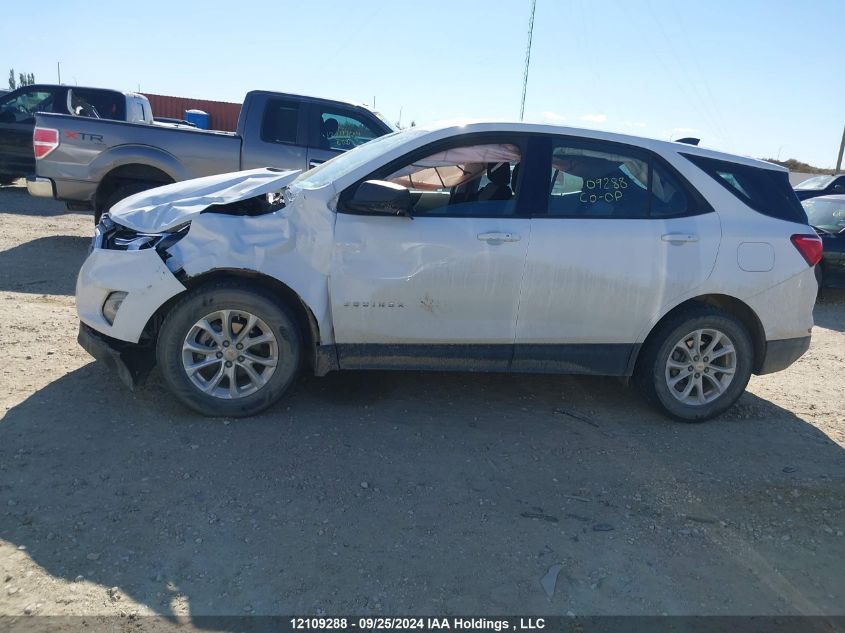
{"points": [[438, 289], [596, 277]]}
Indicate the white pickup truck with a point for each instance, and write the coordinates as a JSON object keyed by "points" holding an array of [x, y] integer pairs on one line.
{"points": [[484, 247]]}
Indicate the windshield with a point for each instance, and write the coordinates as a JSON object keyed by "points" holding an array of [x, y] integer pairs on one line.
{"points": [[347, 162], [826, 214], [817, 182]]}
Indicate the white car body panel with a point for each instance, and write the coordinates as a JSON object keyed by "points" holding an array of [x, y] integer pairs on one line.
{"points": [[427, 280], [293, 245], [598, 280], [141, 274]]}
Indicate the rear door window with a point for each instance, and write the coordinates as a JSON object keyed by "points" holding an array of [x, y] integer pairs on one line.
{"points": [[100, 104], [597, 179], [668, 197], [341, 129], [281, 121], [589, 181], [767, 191]]}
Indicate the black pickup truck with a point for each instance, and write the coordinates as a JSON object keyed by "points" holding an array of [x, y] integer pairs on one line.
{"points": [[19, 107], [95, 163]]}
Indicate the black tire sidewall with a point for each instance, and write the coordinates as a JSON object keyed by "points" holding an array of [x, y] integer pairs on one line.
{"points": [[204, 301], [663, 346]]}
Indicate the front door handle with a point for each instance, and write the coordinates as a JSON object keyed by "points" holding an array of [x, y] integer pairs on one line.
{"points": [[313, 163], [498, 238], [679, 237]]}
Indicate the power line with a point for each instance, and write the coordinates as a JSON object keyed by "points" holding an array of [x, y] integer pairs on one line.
{"points": [[527, 59]]}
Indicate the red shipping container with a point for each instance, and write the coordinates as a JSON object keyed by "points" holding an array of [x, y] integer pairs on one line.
{"points": [[223, 114]]}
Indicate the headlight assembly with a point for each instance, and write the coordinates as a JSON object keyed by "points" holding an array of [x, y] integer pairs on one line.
{"points": [[124, 239]]}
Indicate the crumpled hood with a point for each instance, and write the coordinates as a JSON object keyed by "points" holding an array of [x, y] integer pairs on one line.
{"points": [[167, 207]]}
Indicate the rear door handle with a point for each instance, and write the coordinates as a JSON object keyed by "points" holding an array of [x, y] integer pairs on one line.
{"points": [[498, 238], [679, 237], [313, 163]]}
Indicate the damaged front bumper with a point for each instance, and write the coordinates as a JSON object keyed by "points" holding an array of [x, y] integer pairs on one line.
{"points": [[131, 362]]}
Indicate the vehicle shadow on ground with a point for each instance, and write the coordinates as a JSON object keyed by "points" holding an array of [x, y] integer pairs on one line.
{"points": [[372, 492], [830, 309], [47, 265], [15, 200]]}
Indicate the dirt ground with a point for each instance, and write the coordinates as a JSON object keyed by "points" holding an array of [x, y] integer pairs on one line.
{"points": [[397, 493]]}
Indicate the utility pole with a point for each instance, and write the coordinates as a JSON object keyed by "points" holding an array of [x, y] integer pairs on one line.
{"points": [[527, 59], [59, 70], [841, 150]]}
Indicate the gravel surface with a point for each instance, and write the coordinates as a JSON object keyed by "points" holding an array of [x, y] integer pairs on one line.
{"points": [[392, 493]]}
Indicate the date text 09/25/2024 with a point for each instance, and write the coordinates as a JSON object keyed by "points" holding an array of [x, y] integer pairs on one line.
{"points": [[418, 624]]}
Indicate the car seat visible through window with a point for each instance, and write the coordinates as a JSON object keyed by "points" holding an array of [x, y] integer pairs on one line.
{"points": [[498, 188]]}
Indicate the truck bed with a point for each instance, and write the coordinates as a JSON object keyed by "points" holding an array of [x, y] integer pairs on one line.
{"points": [[91, 148]]}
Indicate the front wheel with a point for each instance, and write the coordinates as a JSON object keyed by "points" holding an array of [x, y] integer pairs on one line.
{"points": [[228, 349], [697, 365]]}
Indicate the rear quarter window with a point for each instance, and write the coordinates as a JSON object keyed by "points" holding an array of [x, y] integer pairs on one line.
{"points": [[767, 191], [102, 104]]}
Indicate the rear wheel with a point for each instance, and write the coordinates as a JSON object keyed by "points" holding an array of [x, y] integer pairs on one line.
{"points": [[228, 349], [123, 191], [697, 365]]}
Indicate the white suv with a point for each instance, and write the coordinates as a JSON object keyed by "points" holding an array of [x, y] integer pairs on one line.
{"points": [[483, 247]]}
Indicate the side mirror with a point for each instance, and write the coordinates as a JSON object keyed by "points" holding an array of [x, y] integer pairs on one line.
{"points": [[378, 197]]}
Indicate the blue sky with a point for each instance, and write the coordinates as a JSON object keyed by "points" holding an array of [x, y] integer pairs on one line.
{"points": [[754, 77]]}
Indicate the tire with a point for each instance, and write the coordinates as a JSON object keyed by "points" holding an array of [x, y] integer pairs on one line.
{"points": [[124, 191], [181, 327], [819, 280], [672, 341]]}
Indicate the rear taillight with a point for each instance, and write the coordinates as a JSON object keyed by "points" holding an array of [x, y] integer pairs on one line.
{"points": [[810, 247], [44, 141]]}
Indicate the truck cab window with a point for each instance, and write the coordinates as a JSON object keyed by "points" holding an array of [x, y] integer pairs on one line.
{"points": [[343, 130], [97, 104], [22, 108], [280, 122]]}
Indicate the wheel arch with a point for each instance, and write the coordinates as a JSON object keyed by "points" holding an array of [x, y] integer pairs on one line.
{"points": [[125, 174], [729, 304], [320, 359]]}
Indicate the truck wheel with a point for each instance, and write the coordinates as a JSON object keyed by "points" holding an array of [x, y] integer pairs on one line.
{"points": [[228, 349], [124, 191], [697, 365]]}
